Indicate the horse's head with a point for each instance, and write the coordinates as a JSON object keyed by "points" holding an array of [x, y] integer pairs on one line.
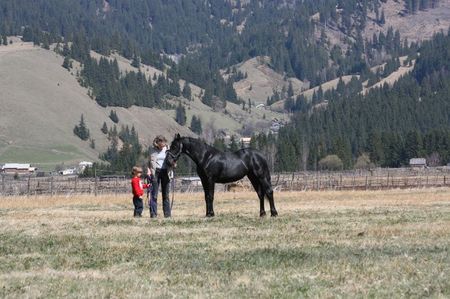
{"points": [[175, 150]]}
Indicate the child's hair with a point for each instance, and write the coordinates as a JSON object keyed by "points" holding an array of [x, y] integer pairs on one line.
{"points": [[136, 170], [158, 139]]}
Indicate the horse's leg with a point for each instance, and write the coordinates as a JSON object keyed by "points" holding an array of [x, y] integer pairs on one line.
{"points": [[259, 190], [267, 185], [210, 212], [273, 211], [208, 188]]}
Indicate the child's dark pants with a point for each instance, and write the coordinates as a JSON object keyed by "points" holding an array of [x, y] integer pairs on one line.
{"points": [[138, 206]]}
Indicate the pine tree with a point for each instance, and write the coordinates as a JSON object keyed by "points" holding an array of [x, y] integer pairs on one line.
{"points": [[233, 145], [196, 125], [104, 128], [382, 18], [113, 116], [67, 63], [207, 98], [187, 93], [180, 116], [136, 62], [413, 145], [81, 130], [28, 34]]}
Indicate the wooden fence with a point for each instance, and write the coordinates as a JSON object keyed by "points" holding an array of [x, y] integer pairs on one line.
{"points": [[300, 181]]}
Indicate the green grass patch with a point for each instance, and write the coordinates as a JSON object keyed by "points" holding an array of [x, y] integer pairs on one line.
{"points": [[44, 158]]}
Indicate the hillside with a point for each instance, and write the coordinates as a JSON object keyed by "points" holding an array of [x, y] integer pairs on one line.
{"points": [[332, 84], [36, 122], [262, 80], [232, 119], [413, 27], [41, 104]]}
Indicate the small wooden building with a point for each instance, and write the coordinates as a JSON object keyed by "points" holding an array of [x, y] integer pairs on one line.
{"points": [[13, 168], [418, 162]]}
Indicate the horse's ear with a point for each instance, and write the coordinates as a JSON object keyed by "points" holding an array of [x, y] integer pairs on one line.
{"points": [[177, 136]]}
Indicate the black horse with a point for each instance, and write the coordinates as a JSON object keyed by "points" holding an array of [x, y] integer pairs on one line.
{"points": [[214, 166]]}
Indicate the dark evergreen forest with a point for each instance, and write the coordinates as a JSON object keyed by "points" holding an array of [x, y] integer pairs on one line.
{"points": [[205, 35], [390, 124]]}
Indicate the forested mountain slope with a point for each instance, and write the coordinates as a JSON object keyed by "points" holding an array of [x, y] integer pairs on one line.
{"points": [[210, 35], [386, 127], [314, 59], [41, 103]]}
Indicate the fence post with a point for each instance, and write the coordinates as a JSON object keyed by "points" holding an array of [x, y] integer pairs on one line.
{"points": [[28, 186], [3, 184], [51, 186], [387, 185], [76, 185], [95, 186]]}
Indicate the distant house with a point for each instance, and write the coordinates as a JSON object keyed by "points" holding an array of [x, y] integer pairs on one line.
{"points": [[418, 162], [13, 168], [83, 164], [245, 141], [68, 171]]}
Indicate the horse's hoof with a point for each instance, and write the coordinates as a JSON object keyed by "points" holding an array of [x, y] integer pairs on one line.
{"points": [[210, 215], [262, 214], [274, 214]]}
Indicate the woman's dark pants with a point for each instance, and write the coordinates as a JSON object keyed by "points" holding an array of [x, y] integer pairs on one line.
{"points": [[161, 177]]}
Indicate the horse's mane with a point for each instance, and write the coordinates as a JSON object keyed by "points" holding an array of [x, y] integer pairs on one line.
{"points": [[199, 141]]}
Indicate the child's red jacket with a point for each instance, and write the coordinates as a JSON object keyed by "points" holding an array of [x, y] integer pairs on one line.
{"points": [[138, 187]]}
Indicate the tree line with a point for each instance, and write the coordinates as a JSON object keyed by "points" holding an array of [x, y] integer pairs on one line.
{"points": [[390, 124], [206, 35]]}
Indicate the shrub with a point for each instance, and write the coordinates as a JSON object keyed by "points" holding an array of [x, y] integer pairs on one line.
{"points": [[331, 162]]}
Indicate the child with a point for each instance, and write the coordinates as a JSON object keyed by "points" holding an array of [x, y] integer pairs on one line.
{"points": [[137, 188]]}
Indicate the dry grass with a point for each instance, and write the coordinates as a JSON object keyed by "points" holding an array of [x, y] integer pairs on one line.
{"points": [[324, 244], [414, 27], [36, 125]]}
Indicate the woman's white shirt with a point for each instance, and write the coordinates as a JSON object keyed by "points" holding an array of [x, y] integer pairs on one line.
{"points": [[160, 157]]}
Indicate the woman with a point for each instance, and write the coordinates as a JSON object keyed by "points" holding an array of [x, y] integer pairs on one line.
{"points": [[160, 173]]}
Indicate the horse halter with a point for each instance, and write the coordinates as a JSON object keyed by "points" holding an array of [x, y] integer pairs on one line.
{"points": [[177, 155]]}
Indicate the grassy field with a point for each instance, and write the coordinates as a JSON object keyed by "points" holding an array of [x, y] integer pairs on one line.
{"points": [[324, 244]]}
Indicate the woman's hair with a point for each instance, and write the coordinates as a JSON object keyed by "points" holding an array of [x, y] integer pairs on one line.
{"points": [[136, 170], [158, 139]]}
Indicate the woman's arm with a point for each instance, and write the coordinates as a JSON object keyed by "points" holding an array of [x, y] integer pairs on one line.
{"points": [[152, 162]]}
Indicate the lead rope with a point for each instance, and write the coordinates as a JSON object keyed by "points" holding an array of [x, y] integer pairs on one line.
{"points": [[173, 191]]}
